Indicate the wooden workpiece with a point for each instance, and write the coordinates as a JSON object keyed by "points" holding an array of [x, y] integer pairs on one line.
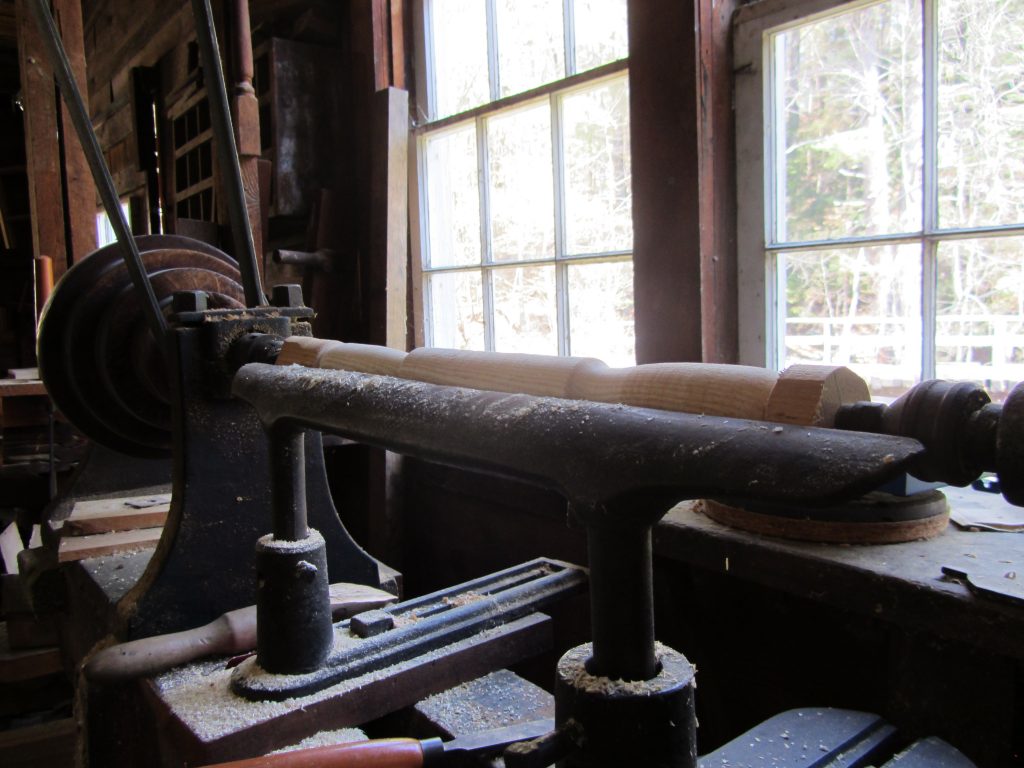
{"points": [[802, 394], [107, 515], [80, 547]]}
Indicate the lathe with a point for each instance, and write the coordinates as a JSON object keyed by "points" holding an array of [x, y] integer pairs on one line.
{"points": [[162, 346]]}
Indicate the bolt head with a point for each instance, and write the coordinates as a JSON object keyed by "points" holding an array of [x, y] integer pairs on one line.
{"points": [[287, 295]]}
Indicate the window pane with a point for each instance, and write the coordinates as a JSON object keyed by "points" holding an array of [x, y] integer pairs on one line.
{"points": [[598, 195], [460, 55], [456, 310], [453, 197], [531, 43], [600, 32], [980, 305], [859, 307], [525, 319], [601, 312], [981, 112], [848, 124], [521, 196]]}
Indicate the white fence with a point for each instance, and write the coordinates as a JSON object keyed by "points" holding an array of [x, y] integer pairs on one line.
{"points": [[887, 350]]}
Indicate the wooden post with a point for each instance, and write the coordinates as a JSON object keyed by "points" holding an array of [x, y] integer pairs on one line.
{"points": [[50, 183], [80, 187], [245, 111], [683, 192]]}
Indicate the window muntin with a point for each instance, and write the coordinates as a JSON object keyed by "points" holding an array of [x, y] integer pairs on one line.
{"points": [[519, 189], [886, 179]]}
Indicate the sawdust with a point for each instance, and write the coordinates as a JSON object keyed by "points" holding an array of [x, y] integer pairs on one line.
{"points": [[571, 667], [200, 694], [325, 739], [313, 541]]}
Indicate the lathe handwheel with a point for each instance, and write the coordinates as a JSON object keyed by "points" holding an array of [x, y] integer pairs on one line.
{"points": [[102, 367]]}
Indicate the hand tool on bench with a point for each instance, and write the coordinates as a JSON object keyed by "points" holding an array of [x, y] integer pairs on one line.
{"points": [[233, 632], [400, 753]]}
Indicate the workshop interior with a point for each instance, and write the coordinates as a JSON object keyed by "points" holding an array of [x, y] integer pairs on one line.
{"points": [[461, 382]]}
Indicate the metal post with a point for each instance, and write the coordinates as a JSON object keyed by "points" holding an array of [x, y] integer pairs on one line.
{"points": [[288, 482], [227, 153], [621, 602]]}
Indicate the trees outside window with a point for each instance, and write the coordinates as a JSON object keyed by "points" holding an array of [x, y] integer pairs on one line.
{"points": [[881, 177], [524, 214]]}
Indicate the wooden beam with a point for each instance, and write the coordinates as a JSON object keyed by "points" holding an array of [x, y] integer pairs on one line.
{"points": [[717, 179], [683, 193], [389, 219], [80, 188], [42, 155], [663, 142]]}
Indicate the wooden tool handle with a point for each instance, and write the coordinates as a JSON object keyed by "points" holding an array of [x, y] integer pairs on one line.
{"points": [[800, 395], [149, 655], [376, 753], [234, 632]]}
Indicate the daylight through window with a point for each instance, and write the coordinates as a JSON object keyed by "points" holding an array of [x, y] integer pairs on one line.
{"points": [[525, 209], [890, 189]]}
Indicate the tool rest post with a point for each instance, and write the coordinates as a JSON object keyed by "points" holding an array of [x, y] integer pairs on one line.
{"points": [[288, 481], [621, 602], [294, 634]]}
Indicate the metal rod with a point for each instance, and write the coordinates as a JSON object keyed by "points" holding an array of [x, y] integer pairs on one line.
{"points": [[227, 153], [100, 173], [288, 482], [621, 602]]}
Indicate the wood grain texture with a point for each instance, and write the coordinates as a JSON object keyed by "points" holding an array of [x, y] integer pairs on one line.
{"points": [[42, 155], [113, 515], [803, 394], [811, 394], [80, 547], [81, 190]]}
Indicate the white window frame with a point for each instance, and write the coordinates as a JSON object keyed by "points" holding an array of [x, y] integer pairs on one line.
{"points": [[423, 127], [761, 287]]}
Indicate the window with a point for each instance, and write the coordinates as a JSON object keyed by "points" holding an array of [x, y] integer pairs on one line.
{"points": [[525, 219], [881, 180], [105, 234]]}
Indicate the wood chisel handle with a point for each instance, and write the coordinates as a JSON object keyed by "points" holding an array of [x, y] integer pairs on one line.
{"points": [[234, 632], [376, 753]]}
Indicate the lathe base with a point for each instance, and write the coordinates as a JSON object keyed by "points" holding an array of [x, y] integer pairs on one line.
{"points": [[202, 721]]}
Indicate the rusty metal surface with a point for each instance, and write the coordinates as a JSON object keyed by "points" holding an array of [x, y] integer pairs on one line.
{"points": [[423, 626], [599, 456]]}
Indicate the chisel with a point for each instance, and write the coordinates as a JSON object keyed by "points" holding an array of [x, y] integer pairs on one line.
{"points": [[399, 753]]}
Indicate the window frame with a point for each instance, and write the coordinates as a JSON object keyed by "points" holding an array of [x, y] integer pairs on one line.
{"points": [[423, 127], [761, 317]]}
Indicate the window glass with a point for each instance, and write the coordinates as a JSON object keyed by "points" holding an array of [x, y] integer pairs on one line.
{"points": [[531, 43], [601, 312], [600, 32], [981, 113], [453, 197], [980, 305], [598, 191], [848, 124], [859, 307], [457, 309], [459, 29], [525, 318], [521, 184]]}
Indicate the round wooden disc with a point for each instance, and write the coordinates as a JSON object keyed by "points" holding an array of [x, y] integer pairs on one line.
{"points": [[877, 518]]}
